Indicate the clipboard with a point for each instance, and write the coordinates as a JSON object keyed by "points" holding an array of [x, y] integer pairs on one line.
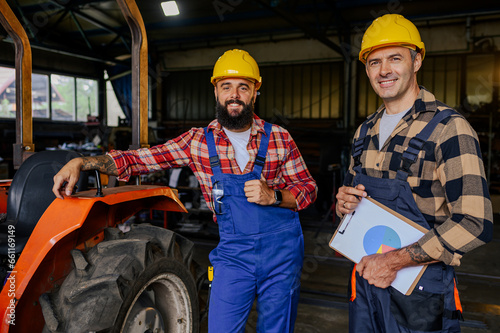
{"points": [[375, 228]]}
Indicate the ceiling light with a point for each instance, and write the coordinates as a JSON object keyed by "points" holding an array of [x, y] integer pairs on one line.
{"points": [[170, 8]]}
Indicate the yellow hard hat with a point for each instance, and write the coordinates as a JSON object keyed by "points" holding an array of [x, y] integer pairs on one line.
{"points": [[388, 30], [237, 63]]}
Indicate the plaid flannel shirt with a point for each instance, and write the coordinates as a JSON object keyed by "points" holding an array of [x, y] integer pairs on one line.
{"points": [[284, 167], [448, 179]]}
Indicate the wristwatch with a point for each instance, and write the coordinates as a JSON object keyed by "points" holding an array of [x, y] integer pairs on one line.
{"points": [[278, 197]]}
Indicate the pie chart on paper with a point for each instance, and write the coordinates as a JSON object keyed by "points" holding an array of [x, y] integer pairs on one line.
{"points": [[381, 239]]}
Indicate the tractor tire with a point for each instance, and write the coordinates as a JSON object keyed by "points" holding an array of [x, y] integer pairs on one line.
{"points": [[140, 281]]}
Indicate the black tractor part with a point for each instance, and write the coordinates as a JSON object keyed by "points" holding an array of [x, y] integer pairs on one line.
{"points": [[31, 193], [139, 281]]}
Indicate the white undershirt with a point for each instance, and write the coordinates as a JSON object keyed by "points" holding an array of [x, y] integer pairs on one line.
{"points": [[387, 125], [239, 140]]}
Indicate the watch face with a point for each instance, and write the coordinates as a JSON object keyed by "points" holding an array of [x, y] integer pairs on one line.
{"points": [[278, 197]]}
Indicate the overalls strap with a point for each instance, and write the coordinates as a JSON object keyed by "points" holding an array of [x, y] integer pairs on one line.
{"points": [[260, 159], [212, 152], [417, 143], [359, 145]]}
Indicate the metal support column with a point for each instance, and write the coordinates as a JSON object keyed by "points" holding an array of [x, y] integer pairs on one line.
{"points": [[139, 73], [24, 126]]}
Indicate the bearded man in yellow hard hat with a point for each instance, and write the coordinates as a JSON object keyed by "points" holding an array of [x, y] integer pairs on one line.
{"points": [[255, 180], [421, 159]]}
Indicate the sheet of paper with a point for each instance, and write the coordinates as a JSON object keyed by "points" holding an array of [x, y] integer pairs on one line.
{"points": [[373, 229]]}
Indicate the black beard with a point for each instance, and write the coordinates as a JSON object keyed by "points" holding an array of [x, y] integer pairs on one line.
{"points": [[234, 122]]}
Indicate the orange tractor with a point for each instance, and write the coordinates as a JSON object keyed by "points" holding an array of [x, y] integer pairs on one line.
{"points": [[65, 265]]}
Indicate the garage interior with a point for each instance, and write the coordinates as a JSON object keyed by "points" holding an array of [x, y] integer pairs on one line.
{"points": [[313, 85]]}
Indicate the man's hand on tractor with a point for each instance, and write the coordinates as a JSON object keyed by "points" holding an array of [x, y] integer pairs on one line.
{"points": [[66, 178]]}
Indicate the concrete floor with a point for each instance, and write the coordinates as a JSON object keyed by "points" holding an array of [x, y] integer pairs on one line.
{"points": [[323, 302]]}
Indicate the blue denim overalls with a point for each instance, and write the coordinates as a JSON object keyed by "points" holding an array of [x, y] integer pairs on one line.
{"points": [[260, 253], [433, 305]]}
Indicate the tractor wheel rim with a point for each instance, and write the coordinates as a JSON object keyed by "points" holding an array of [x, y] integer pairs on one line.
{"points": [[161, 306]]}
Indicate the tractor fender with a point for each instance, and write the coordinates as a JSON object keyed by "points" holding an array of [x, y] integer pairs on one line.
{"points": [[73, 222]]}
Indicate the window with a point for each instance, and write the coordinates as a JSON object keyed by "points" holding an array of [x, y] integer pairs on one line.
{"points": [[40, 95], [63, 97], [86, 99], [7, 92]]}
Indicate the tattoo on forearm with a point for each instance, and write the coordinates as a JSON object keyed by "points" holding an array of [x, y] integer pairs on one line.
{"points": [[417, 254], [104, 164]]}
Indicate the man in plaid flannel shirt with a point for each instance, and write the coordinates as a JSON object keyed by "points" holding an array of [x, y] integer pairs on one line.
{"points": [[430, 173], [255, 180]]}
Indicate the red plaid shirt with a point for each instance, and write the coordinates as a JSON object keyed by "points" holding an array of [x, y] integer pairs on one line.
{"points": [[284, 167]]}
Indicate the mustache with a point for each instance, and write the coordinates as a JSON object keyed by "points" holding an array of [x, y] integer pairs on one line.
{"points": [[231, 101]]}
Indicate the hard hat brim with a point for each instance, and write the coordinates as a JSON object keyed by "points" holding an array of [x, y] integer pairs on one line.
{"points": [[363, 55], [216, 79]]}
